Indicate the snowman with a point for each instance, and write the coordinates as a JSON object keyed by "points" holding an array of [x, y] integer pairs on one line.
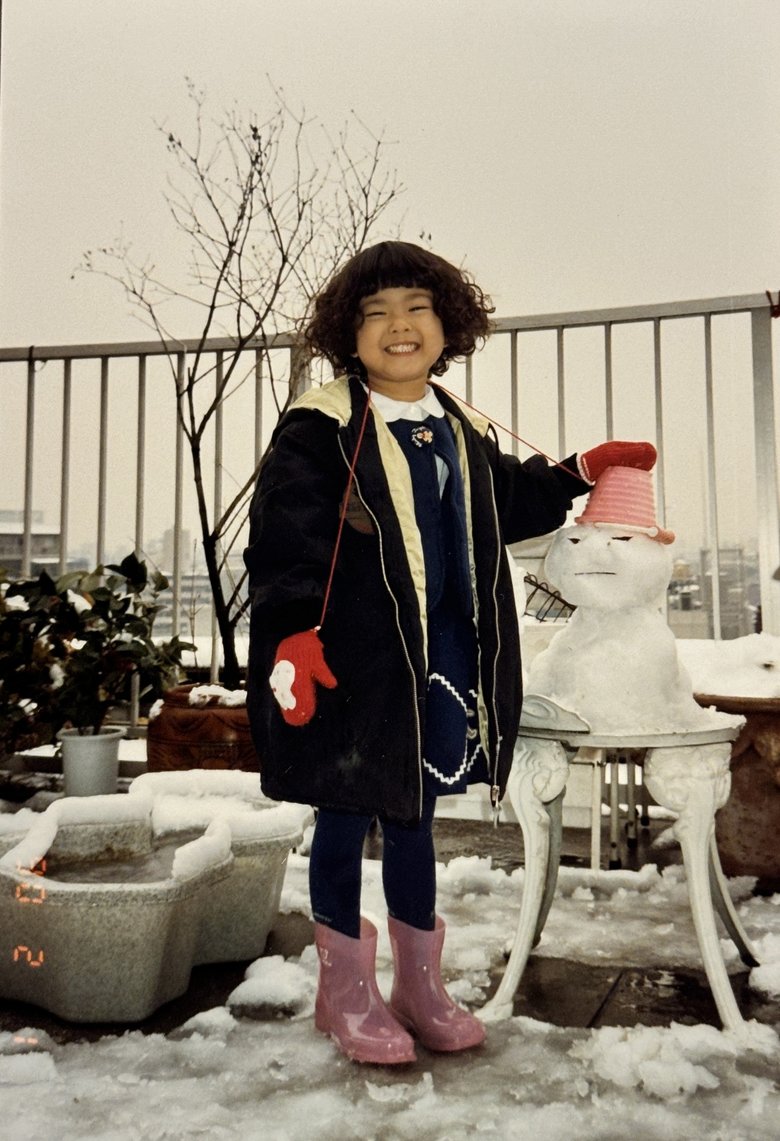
{"points": [[615, 662]]}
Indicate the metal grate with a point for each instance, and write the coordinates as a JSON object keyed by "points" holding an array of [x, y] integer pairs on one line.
{"points": [[545, 604]]}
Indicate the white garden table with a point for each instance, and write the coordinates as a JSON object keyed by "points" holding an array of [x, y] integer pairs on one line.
{"points": [[687, 772]]}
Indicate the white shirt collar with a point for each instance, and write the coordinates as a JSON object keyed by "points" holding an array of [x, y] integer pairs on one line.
{"points": [[415, 410]]}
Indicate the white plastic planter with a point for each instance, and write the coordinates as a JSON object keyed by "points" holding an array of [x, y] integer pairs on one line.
{"points": [[90, 762], [106, 903]]}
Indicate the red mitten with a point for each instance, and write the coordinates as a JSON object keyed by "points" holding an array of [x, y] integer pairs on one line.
{"points": [[299, 663], [616, 453]]}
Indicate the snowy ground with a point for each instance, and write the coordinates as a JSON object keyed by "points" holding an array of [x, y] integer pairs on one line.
{"points": [[233, 1072], [226, 1074]]}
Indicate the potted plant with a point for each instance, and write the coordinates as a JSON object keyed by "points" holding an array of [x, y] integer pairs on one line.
{"points": [[69, 650], [29, 665]]}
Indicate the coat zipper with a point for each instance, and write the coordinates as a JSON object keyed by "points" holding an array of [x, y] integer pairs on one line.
{"points": [[400, 633]]}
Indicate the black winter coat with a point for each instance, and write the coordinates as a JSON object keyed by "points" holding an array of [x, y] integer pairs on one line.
{"points": [[362, 750]]}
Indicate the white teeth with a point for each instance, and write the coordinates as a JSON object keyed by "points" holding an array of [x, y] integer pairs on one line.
{"points": [[401, 348]]}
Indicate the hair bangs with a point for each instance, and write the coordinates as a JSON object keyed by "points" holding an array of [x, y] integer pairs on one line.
{"points": [[392, 265]]}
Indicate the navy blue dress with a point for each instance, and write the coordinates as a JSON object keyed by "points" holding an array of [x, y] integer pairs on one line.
{"points": [[453, 757]]}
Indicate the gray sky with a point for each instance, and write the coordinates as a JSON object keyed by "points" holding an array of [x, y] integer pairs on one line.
{"points": [[573, 154]]}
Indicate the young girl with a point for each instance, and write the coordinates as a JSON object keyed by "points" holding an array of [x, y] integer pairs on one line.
{"points": [[384, 663]]}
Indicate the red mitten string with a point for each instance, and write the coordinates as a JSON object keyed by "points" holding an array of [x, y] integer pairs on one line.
{"points": [[616, 453], [298, 666]]}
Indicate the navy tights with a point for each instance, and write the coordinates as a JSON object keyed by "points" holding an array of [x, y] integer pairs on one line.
{"points": [[408, 870]]}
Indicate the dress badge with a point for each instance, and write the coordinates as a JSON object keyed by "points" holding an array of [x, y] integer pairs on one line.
{"points": [[421, 435]]}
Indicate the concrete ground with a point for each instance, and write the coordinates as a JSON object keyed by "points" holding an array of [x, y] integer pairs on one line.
{"points": [[562, 992]]}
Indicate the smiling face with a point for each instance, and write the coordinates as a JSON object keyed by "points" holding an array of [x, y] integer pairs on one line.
{"points": [[608, 568], [399, 337]]}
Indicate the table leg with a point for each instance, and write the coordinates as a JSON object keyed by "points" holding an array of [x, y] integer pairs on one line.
{"points": [[554, 810], [538, 776], [614, 816], [587, 755], [630, 762], [694, 781], [726, 911]]}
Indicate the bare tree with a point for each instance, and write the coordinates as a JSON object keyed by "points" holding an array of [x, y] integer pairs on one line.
{"points": [[268, 209]]}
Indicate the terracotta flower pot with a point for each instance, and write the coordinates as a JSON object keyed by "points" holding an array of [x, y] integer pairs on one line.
{"points": [[748, 825], [210, 736]]}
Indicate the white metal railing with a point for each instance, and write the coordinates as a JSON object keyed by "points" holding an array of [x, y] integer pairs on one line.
{"points": [[537, 376]]}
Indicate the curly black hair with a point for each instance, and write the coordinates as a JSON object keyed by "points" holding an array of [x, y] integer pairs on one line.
{"points": [[459, 303]]}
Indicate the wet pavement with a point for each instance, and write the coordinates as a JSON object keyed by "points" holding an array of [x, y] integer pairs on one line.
{"points": [[558, 991]]}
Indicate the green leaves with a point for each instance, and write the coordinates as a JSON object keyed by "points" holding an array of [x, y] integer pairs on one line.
{"points": [[69, 649]]}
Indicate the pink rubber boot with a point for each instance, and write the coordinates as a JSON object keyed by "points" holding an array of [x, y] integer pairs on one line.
{"points": [[349, 1006], [419, 1000]]}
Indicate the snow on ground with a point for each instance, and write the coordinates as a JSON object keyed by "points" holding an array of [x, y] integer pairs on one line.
{"points": [[227, 1075]]}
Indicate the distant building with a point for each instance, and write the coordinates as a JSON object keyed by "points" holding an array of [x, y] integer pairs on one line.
{"points": [[739, 592], [195, 617], [45, 543]]}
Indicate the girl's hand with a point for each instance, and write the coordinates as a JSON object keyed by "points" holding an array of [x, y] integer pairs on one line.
{"points": [[299, 664], [616, 453]]}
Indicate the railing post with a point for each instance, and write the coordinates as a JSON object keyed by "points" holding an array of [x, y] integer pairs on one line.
{"points": [[713, 526], [561, 386], [178, 495], [28, 470], [258, 405], [609, 394], [659, 418], [140, 456], [65, 464], [514, 382], [218, 440], [766, 469], [102, 462]]}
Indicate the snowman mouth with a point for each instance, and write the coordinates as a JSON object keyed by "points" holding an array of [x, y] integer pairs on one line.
{"points": [[578, 574]]}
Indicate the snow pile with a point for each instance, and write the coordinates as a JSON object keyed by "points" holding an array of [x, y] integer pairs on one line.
{"points": [[274, 984], [209, 850], [202, 695], [765, 979], [216, 695], [13, 601], [114, 809], [216, 1023], [15, 821], [27, 1070], [665, 1062], [184, 801], [199, 783], [738, 667]]}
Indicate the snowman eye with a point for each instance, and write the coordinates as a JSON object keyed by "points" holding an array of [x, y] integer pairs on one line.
{"points": [[573, 540], [622, 538]]}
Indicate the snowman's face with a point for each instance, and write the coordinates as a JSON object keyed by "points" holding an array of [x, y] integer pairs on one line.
{"points": [[608, 568]]}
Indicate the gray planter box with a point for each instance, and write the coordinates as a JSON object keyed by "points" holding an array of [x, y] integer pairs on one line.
{"points": [[127, 905]]}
